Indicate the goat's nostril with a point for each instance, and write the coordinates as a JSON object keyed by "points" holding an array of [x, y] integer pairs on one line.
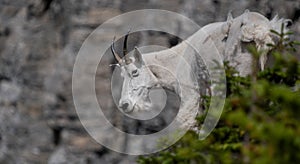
{"points": [[124, 106]]}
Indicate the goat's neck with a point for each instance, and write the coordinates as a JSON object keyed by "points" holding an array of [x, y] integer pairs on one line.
{"points": [[163, 65]]}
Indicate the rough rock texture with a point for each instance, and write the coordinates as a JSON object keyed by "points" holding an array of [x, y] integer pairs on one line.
{"points": [[39, 41]]}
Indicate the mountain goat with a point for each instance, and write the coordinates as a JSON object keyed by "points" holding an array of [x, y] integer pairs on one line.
{"points": [[141, 72]]}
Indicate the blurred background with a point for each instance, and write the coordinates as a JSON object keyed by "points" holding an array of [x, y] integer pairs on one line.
{"points": [[39, 41]]}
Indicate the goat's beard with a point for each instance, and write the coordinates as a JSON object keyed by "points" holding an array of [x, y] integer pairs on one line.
{"points": [[262, 46], [143, 105]]}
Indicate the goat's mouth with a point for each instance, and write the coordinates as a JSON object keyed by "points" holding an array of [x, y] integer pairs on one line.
{"points": [[144, 106], [128, 110], [134, 108]]}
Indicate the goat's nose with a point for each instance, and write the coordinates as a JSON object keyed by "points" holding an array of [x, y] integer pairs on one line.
{"points": [[124, 105]]}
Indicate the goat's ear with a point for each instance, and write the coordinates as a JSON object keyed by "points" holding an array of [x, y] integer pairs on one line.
{"points": [[226, 26], [275, 19], [247, 11], [245, 17], [229, 17], [138, 57]]}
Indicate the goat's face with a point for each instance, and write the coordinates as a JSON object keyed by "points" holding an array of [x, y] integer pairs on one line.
{"points": [[255, 28], [137, 81]]}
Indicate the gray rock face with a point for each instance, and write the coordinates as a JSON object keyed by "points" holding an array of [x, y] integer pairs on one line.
{"points": [[39, 41], [9, 92]]}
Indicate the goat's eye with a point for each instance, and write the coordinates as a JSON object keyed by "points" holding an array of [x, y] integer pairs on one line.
{"points": [[134, 73]]}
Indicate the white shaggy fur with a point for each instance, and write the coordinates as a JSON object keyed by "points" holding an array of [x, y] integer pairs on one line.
{"points": [[229, 38]]}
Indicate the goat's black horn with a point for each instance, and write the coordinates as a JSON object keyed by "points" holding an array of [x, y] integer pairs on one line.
{"points": [[112, 48]]}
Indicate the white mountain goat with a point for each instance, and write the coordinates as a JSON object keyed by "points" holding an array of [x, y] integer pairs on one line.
{"points": [[141, 72]]}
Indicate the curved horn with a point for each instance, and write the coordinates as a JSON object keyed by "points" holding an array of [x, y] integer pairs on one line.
{"points": [[125, 44], [112, 48], [127, 60]]}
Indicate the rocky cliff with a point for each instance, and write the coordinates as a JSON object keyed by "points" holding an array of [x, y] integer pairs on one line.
{"points": [[39, 41]]}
